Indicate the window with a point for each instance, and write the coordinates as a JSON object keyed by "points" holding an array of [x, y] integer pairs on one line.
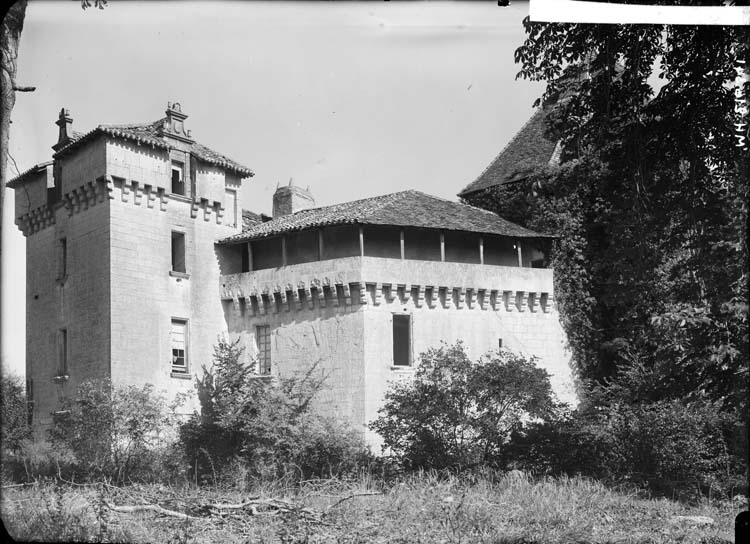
{"points": [[62, 262], [178, 252], [230, 203], [401, 340], [179, 346], [178, 178], [62, 352], [263, 343]]}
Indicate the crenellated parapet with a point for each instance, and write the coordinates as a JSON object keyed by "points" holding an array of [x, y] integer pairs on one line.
{"points": [[342, 286]]}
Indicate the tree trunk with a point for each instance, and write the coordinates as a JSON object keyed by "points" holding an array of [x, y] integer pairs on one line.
{"points": [[10, 36]]}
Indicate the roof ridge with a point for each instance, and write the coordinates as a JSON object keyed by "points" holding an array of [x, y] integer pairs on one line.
{"points": [[146, 124]]}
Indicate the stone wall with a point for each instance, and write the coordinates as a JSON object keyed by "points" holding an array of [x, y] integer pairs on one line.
{"points": [[147, 295], [77, 302], [340, 312]]}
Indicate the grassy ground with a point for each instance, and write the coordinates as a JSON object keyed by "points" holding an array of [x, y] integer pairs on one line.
{"points": [[422, 508]]}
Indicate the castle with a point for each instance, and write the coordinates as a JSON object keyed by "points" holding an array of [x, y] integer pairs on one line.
{"points": [[139, 256]]}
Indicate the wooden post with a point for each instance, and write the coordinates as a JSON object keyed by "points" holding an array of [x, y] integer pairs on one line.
{"points": [[361, 242], [320, 244], [442, 247], [249, 256], [403, 253], [283, 250], [481, 250], [520, 258]]}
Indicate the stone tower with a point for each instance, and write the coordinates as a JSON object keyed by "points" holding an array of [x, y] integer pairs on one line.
{"points": [[122, 274]]}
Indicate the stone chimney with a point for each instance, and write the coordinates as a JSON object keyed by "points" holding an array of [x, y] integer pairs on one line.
{"points": [[65, 122], [291, 199]]}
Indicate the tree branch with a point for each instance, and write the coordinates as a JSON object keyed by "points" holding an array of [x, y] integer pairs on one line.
{"points": [[23, 88]]}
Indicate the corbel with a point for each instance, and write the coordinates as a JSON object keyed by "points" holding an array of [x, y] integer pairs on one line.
{"points": [[362, 292], [378, 293], [523, 300], [137, 193], [347, 294], [125, 190], [163, 199], [549, 303], [448, 297], [150, 196], [510, 300], [420, 296], [534, 302], [407, 293]]}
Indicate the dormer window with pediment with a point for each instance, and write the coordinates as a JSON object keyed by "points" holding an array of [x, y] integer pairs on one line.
{"points": [[174, 123]]}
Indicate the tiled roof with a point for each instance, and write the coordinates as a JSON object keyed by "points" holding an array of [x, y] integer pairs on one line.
{"points": [[20, 178], [149, 134], [250, 219], [527, 150], [404, 209]]}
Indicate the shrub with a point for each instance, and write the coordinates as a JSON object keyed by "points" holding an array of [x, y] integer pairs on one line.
{"points": [[118, 433], [266, 425], [672, 447], [458, 413], [14, 426]]}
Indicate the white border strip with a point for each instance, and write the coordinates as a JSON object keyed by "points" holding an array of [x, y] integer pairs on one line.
{"points": [[572, 11]]}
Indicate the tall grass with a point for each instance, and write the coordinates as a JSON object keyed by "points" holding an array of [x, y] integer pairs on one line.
{"points": [[422, 507]]}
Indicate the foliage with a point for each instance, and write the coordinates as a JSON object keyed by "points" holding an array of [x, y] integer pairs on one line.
{"points": [[116, 433], [650, 201], [671, 447], [14, 426], [458, 413], [266, 425]]}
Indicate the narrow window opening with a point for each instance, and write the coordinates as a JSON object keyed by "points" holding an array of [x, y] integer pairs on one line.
{"points": [[62, 259], [401, 340], [263, 343], [178, 252], [231, 206], [62, 352], [179, 346], [178, 178]]}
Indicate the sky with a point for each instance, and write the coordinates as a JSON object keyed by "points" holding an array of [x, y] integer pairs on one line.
{"points": [[353, 99]]}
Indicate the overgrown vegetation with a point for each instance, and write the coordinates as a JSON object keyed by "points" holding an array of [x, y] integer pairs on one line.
{"points": [[423, 507], [459, 414], [650, 206], [265, 428]]}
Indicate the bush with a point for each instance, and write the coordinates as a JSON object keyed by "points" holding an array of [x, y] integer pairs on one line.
{"points": [[672, 447], [456, 413], [265, 425], [14, 427], [117, 433]]}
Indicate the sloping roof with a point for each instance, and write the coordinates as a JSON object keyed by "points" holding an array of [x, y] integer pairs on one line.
{"points": [[20, 178], [149, 134], [527, 150], [404, 209], [249, 219]]}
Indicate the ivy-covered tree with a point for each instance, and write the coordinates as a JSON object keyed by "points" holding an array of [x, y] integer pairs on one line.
{"points": [[650, 201]]}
